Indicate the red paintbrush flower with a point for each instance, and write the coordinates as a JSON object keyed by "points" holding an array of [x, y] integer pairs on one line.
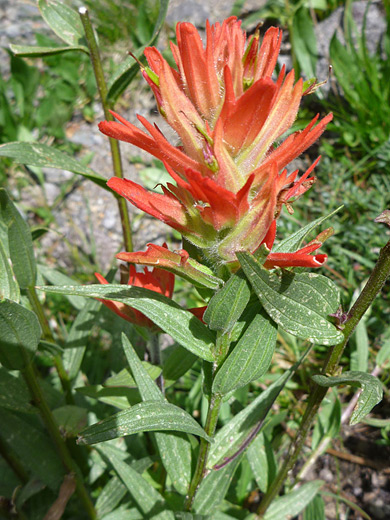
{"points": [[299, 258], [230, 178]]}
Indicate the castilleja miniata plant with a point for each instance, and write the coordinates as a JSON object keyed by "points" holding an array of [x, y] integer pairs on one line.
{"points": [[203, 411]]}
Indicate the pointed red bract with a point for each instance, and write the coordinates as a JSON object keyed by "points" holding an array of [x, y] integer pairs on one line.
{"points": [[230, 181]]}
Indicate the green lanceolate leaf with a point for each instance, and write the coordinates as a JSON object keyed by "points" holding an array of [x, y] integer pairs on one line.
{"points": [[19, 242], [315, 510], [294, 241], [185, 328], [63, 20], [9, 287], [142, 417], [238, 430], [371, 395], [292, 504], [227, 305], [299, 303], [174, 448], [129, 69], [37, 154], [262, 461], [20, 333], [32, 51], [149, 501], [250, 358], [213, 488], [110, 496]]}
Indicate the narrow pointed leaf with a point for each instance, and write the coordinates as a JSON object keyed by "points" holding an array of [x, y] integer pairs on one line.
{"points": [[299, 303], [149, 501], [122, 513], [77, 339], [371, 395], [37, 154], [292, 504], [294, 241], [213, 488], [110, 496], [20, 245], [187, 330], [129, 69], [63, 20], [20, 333], [174, 448], [250, 358], [33, 51], [9, 287], [227, 305], [142, 417], [232, 436], [315, 510]]}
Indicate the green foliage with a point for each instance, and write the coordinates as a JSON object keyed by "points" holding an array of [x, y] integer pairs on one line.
{"points": [[370, 396], [364, 88], [147, 418]]}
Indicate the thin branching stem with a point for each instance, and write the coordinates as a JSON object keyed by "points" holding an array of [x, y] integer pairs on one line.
{"points": [[114, 144]]}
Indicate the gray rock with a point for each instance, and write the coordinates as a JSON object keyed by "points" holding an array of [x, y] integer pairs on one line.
{"points": [[198, 11], [51, 191]]}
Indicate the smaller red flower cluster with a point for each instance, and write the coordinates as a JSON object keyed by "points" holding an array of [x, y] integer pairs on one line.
{"points": [[156, 280]]}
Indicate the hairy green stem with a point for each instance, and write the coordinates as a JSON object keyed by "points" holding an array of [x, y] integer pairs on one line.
{"points": [[204, 448], [373, 286], [114, 144], [48, 336], [31, 379]]}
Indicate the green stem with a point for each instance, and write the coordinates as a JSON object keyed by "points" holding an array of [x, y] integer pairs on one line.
{"points": [[373, 286], [13, 462], [48, 336], [204, 448], [31, 379], [114, 144]]}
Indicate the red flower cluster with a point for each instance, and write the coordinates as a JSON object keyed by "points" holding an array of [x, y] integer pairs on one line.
{"points": [[230, 178]]}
